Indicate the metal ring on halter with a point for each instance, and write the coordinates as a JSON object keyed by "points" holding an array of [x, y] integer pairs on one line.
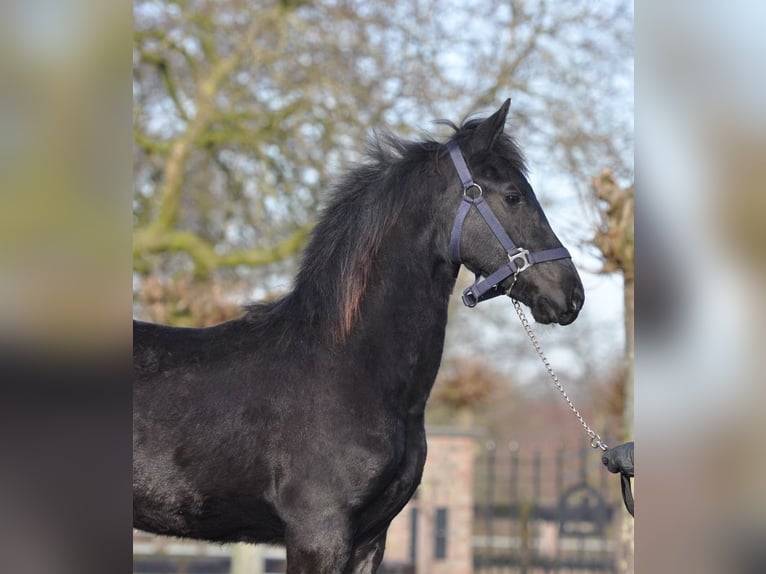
{"points": [[469, 298], [469, 186]]}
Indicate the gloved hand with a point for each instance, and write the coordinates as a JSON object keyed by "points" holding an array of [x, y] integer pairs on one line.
{"points": [[620, 460]]}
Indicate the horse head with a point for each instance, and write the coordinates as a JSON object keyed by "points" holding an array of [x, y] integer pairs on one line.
{"points": [[538, 270]]}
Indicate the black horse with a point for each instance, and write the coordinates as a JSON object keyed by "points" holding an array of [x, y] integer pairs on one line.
{"points": [[301, 422]]}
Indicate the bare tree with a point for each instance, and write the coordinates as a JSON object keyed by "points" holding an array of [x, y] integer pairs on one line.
{"points": [[245, 112]]}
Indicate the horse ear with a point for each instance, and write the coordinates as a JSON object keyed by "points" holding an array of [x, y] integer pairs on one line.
{"points": [[489, 130]]}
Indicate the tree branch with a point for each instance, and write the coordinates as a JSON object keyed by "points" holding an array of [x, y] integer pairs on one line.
{"points": [[170, 86], [264, 256], [152, 240], [170, 192]]}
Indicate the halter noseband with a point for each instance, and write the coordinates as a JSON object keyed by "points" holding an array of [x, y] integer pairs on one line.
{"points": [[518, 259]]}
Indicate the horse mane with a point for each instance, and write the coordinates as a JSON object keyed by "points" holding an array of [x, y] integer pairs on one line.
{"points": [[362, 207]]}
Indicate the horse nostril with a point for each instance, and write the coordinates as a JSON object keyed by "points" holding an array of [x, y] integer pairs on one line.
{"points": [[577, 299]]}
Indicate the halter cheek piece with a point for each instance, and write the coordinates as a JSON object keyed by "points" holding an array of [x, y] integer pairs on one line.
{"points": [[518, 259]]}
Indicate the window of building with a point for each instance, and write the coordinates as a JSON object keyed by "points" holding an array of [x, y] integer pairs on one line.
{"points": [[440, 534], [413, 535]]}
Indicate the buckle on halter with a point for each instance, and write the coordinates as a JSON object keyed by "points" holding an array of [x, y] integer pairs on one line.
{"points": [[523, 255]]}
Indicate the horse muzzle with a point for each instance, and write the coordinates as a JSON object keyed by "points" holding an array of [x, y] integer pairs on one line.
{"points": [[547, 310]]}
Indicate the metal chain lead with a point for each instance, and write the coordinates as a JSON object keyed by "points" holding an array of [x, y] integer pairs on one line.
{"points": [[595, 441]]}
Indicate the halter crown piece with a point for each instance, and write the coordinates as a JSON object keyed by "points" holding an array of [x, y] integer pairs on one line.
{"points": [[519, 259]]}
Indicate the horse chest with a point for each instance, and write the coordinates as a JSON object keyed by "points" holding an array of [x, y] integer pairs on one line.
{"points": [[381, 508]]}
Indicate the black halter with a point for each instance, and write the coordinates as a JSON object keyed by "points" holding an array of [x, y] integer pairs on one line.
{"points": [[519, 259]]}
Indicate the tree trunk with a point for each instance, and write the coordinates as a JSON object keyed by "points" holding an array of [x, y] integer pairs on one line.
{"points": [[614, 238], [627, 545]]}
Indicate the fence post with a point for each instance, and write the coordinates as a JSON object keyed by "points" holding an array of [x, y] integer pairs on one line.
{"points": [[525, 509], [490, 504], [514, 503], [559, 493], [514, 475], [559, 473]]}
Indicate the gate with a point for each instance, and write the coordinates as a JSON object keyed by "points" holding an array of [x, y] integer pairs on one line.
{"points": [[538, 513]]}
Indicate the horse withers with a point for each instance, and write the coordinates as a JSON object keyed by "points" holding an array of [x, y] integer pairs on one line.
{"points": [[302, 422]]}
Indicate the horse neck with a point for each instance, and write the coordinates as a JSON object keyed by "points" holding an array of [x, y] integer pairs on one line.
{"points": [[410, 277], [384, 309], [402, 312]]}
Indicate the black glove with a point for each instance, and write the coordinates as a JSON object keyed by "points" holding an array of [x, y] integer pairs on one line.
{"points": [[620, 460]]}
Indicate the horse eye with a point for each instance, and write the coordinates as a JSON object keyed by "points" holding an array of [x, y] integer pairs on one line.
{"points": [[513, 198]]}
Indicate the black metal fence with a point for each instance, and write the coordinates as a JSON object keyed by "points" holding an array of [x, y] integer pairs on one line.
{"points": [[535, 512]]}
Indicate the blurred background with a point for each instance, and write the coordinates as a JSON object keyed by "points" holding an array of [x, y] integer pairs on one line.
{"points": [[243, 114]]}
